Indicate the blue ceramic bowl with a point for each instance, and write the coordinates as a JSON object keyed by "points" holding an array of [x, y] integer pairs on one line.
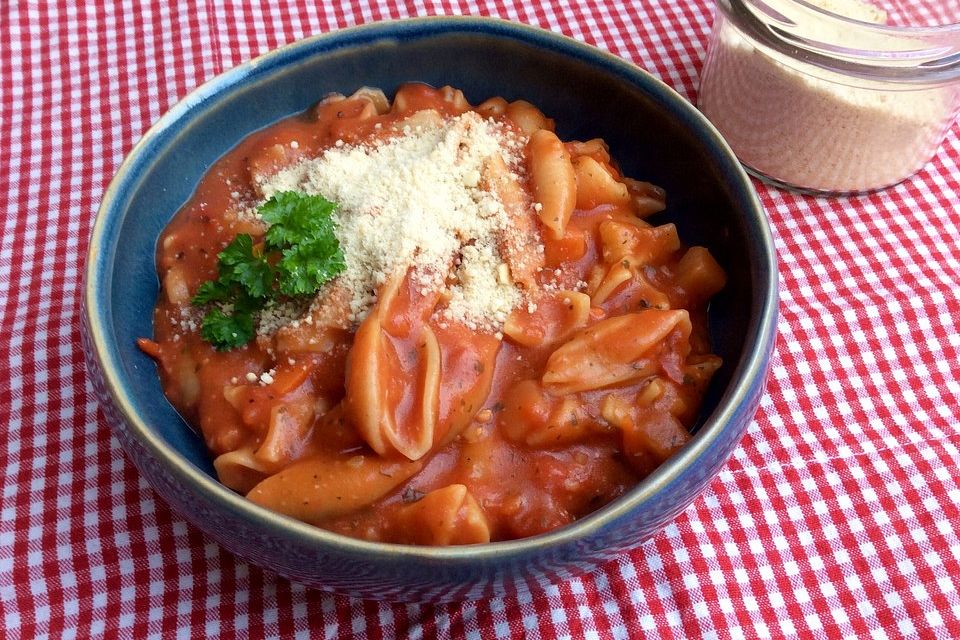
{"points": [[653, 132]]}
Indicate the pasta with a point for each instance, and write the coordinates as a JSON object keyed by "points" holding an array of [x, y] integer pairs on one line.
{"points": [[506, 344]]}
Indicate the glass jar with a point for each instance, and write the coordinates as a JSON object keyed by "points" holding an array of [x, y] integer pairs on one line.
{"points": [[821, 102]]}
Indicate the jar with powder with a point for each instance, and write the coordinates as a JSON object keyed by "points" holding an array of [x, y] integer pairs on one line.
{"points": [[833, 96]]}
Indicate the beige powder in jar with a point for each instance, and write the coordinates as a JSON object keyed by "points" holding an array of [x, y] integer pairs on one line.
{"points": [[816, 129]]}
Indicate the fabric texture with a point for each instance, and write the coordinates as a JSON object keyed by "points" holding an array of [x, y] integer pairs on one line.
{"points": [[835, 518]]}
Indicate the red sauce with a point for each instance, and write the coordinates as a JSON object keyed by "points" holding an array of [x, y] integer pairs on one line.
{"points": [[532, 455]]}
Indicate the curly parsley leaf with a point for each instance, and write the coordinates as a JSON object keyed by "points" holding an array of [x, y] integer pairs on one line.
{"points": [[299, 254], [306, 266], [213, 291], [227, 330], [296, 218], [239, 263]]}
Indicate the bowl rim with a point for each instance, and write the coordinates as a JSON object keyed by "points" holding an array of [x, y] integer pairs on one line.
{"points": [[748, 375]]}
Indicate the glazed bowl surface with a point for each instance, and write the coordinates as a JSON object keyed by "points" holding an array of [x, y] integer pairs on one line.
{"points": [[656, 136]]}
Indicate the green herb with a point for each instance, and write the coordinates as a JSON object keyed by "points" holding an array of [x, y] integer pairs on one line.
{"points": [[302, 230], [239, 264], [300, 252], [227, 331]]}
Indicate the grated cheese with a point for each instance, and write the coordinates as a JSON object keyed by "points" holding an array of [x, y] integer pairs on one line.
{"points": [[275, 315], [416, 201]]}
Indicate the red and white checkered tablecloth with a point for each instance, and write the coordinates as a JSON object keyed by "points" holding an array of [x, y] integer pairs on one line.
{"points": [[836, 517]]}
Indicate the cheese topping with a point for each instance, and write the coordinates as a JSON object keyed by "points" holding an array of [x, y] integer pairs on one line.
{"points": [[416, 201]]}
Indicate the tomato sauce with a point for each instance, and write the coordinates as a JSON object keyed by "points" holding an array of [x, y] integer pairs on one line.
{"points": [[530, 428]]}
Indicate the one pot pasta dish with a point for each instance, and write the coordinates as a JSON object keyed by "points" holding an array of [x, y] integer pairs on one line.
{"points": [[427, 322]]}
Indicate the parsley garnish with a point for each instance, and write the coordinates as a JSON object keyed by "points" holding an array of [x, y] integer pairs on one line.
{"points": [[227, 330], [302, 230], [299, 254]]}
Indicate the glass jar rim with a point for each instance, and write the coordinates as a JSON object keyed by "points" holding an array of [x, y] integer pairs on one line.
{"points": [[927, 55], [907, 29]]}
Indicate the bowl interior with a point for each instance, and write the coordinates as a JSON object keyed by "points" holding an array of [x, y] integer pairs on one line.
{"points": [[587, 93]]}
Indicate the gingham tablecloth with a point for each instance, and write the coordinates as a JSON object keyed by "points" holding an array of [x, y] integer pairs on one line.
{"points": [[836, 517]]}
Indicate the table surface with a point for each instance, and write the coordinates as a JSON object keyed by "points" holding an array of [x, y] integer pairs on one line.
{"points": [[835, 517]]}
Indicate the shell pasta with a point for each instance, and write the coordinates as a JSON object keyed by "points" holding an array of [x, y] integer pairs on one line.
{"points": [[496, 339]]}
